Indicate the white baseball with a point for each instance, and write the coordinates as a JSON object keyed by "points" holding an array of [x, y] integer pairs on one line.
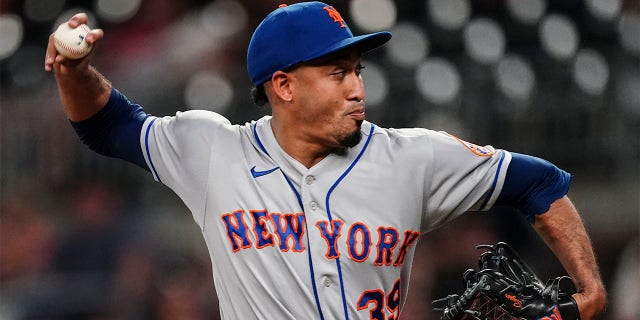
{"points": [[71, 42]]}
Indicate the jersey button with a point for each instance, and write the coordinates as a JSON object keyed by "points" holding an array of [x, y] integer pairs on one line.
{"points": [[327, 282], [310, 179], [314, 205]]}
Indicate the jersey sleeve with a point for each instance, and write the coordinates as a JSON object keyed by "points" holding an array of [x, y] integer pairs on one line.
{"points": [[532, 185], [114, 130], [178, 151], [464, 177]]}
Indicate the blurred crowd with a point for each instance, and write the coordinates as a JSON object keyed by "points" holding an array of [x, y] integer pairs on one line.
{"points": [[85, 237]]}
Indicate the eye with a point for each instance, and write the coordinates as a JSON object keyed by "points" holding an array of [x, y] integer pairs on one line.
{"points": [[339, 72], [359, 69]]}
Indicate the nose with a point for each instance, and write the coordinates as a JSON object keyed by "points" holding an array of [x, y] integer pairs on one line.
{"points": [[356, 87]]}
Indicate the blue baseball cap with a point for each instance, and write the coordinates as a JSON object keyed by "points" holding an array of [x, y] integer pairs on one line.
{"points": [[302, 32]]}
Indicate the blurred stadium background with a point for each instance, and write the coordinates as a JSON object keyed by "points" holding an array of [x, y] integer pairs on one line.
{"points": [[85, 237]]}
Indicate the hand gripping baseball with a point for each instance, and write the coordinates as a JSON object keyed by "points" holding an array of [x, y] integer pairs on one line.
{"points": [[506, 288], [83, 90], [56, 61]]}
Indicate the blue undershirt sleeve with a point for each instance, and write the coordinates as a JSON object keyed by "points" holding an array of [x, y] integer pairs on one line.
{"points": [[115, 130], [532, 184]]}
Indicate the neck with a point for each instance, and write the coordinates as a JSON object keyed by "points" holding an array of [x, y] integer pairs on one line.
{"points": [[298, 146]]}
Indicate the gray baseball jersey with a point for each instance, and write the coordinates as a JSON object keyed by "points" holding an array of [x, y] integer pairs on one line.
{"points": [[335, 241]]}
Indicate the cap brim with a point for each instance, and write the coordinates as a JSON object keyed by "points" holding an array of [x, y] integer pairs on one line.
{"points": [[361, 43]]}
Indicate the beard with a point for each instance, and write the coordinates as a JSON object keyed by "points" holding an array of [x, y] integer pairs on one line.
{"points": [[352, 139]]}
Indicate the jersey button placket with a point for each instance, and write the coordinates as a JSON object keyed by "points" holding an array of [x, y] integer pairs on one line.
{"points": [[325, 273], [310, 179]]}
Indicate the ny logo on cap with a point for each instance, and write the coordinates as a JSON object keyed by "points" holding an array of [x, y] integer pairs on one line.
{"points": [[335, 15]]}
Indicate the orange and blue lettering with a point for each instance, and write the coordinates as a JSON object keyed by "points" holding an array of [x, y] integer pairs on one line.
{"points": [[263, 237], [375, 297], [331, 236], [359, 230], [410, 238], [289, 226], [381, 302], [387, 240], [237, 230], [393, 301]]}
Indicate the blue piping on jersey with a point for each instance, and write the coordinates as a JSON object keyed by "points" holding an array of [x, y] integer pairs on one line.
{"points": [[299, 198], [333, 187], [313, 276], [255, 134], [146, 146], [495, 182]]}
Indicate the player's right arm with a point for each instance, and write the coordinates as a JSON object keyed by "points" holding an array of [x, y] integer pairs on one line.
{"points": [[175, 149], [102, 117], [83, 90]]}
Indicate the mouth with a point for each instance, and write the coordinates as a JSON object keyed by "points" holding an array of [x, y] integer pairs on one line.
{"points": [[357, 114]]}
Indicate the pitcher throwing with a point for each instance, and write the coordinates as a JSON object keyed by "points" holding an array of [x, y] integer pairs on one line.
{"points": [[314, 212]]}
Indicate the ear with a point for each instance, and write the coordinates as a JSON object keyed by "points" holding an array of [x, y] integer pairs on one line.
{"points": [[281, 83]]}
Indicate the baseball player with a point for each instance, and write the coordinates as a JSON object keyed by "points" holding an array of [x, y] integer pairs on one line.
{"points": [[313, 212]]}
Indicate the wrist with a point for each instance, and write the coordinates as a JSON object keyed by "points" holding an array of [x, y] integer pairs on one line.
{"points": [[591, 303], [83, 93]]}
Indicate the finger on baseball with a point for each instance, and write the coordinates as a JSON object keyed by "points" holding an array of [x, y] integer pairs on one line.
{"points": [[58, 62], [50, 54], [78, 19], [94, 35]]}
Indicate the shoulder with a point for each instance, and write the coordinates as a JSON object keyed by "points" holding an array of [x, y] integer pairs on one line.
{"points": [[192, 120], [193, 126], [201, 117], [430, 144], [404, 144], [416, 137]]}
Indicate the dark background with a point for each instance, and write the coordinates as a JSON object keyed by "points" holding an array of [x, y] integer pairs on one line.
{"points": [[85, 237]]}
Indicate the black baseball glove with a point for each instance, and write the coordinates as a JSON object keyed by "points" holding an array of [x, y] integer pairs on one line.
{"points": [[506, 288]]}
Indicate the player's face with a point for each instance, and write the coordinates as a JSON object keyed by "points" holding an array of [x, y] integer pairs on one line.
{"points": [[329, 97]]}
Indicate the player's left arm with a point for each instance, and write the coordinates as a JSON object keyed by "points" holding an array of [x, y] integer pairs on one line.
{"points": [[538, 189], [563, 231]]}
